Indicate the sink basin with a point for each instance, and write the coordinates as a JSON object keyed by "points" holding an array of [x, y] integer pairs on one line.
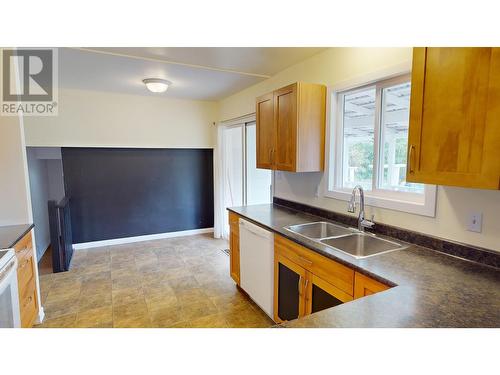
{"points": [[361, 245], [319, 230]]}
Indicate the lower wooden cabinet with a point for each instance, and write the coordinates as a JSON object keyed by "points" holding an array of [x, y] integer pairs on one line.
{"points": [[289, 285], [26, 280], [298, 289], [306, 282], [321, 295], [299, 292], [234, 247], [365, 286], [28, 304]]}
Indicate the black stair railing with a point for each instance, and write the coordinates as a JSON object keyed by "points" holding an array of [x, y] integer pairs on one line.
{"points": [[60, 234]]}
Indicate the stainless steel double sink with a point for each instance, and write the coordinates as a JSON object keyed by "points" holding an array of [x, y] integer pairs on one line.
{"points": [[348, 240]]}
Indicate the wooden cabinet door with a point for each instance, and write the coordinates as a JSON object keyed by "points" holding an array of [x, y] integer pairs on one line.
{"points": [[234, 247], [321, 295], [454, 135], [26, 280], [365, 286], [289, 287], [285, 120], [265, 130], [28, 305]]}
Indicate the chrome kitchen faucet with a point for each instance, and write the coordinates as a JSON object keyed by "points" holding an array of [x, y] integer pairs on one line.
{"points": [[351, 207]]}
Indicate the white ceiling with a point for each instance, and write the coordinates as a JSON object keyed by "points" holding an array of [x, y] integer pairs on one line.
{"points": [[209, 73]]}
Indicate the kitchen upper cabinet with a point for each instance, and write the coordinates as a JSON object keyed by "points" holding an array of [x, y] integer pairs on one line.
{"points": [[291, 128], [454, 135], [234, 247], [285, 122], [265, 131], [365, 286]]}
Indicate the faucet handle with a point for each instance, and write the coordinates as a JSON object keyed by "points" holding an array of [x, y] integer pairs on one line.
{"points": [[368, 223]]}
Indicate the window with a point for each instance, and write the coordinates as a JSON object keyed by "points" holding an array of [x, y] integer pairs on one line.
{"points": [[368, 146]]}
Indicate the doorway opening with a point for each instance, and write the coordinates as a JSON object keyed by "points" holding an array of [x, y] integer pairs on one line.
{"points": [[243, 183]]}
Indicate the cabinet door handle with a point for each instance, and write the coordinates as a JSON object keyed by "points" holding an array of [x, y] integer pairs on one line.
{"points": [[410, 159], [305, 288], [271, 156], [24, 263], [28, 301], [300, 285]]}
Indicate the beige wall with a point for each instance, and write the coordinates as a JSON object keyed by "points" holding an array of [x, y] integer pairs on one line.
{"points": [[336, 65], [14, 202], [15, 206], [103, 119]]}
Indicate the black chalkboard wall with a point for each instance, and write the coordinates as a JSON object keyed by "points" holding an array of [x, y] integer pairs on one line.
{"points": [[117, 192]]}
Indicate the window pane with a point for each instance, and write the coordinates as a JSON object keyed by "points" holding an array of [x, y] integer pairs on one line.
{"points": [[358, 138], [394, 139]]}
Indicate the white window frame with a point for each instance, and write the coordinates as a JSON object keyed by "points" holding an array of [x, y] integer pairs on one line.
{"points": [[420, 204]]}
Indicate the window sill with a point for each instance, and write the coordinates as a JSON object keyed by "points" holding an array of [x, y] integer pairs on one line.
{"points": [[424, 205]]}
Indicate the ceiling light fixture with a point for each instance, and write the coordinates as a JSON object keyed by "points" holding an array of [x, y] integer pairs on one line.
{"points": [[156, 84]]}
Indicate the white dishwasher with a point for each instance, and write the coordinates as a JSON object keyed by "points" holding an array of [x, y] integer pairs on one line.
{"points": [[257, 264]]}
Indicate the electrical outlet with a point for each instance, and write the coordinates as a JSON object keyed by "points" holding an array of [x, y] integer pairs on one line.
{"points": [[475, 222]]}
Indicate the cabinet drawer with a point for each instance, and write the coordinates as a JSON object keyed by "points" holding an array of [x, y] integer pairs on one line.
{"points": [[28, 306], [24, 243], [334, 273], [25, 268]]}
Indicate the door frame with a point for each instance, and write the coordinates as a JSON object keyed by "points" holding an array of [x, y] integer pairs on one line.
{"points": [[243, 121], [235, 122]]}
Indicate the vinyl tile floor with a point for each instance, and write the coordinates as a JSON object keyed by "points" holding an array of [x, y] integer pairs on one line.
{"points": [[177, 282]]}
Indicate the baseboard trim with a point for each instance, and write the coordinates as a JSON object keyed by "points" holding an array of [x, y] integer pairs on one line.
{"points": [[40, 316], [149, 237]]}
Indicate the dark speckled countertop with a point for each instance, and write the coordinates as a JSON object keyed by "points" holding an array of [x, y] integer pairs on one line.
{"points": [[432, 289], [11, 234]]}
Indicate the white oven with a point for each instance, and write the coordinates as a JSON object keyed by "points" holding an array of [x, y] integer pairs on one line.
{"points": [[9, 298]]}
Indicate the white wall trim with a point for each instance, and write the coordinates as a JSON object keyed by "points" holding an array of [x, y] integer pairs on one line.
{"points": [[250, 117], [149, 237], [424, 205], [41, 315], [373, 77]]}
